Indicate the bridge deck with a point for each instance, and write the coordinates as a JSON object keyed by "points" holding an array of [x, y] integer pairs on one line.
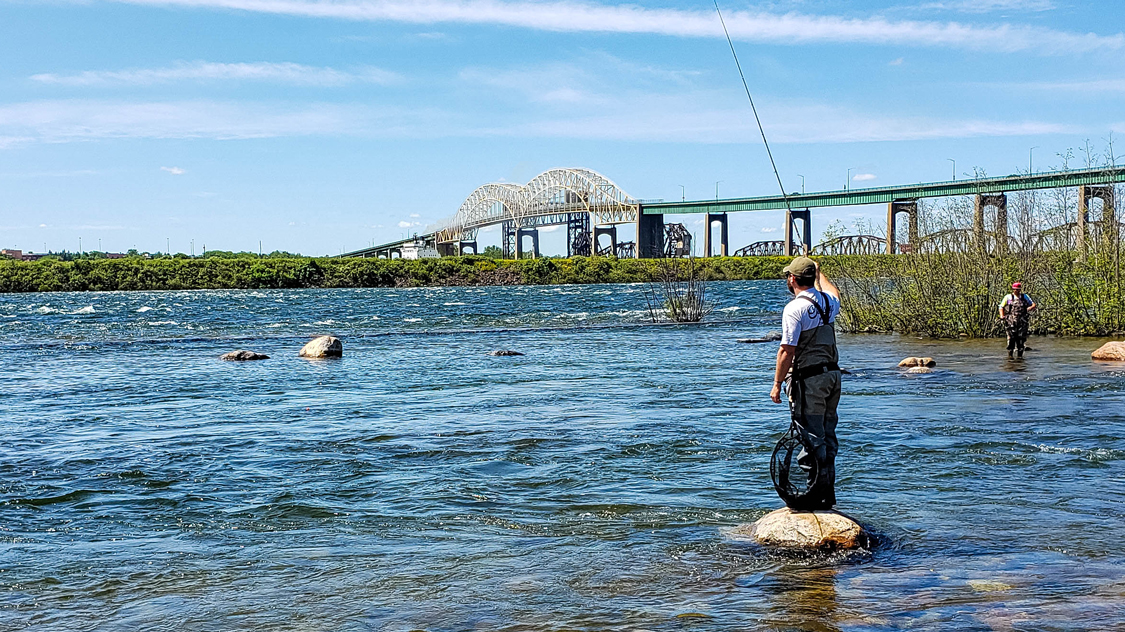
{"points": [[1004, 184]]}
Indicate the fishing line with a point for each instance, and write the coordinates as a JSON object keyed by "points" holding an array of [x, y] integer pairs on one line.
{"points": [[752, 107]]}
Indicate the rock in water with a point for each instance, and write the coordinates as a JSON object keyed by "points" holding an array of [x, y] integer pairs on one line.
{"points": [[242, 355], [806, 530], [770, 337], [504, 353], [927, 362], [919, 369], [323, 347], [1110, 352]]}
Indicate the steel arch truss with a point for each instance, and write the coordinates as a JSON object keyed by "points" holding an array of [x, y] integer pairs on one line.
{"points": [[551, 193], [851, 245]]}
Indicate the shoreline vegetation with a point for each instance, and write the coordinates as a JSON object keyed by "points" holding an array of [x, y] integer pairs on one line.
{"points": [[214, 273], [939, 295]]}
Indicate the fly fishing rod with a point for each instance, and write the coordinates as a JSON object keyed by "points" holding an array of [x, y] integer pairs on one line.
{"points": [[753, 108]]}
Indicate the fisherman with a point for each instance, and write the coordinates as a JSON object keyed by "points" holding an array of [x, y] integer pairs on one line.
{"points": [[1015, 311], [807, 364]]}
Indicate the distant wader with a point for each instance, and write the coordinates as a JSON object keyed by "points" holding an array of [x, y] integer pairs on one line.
{"points": [[814, 393], [1015, 321]]}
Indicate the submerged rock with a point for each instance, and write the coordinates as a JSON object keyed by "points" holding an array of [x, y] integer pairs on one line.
{"points": [[1110, 352], [927, 362], [919, 369], [323, 347], [806, 530], [504, 353], [770, 337], [242, 355]]}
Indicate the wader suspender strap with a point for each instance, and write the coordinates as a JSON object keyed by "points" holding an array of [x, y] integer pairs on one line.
{"points": [[799, 375]]}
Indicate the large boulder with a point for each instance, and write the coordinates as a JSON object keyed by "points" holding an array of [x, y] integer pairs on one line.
{"points": [[323, 347], [926, 362], [243, 355], [805, 530], [1110, 352]]}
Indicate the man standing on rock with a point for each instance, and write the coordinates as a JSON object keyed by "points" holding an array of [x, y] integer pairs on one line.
{"points": [[1015, 311], [807, 363]]}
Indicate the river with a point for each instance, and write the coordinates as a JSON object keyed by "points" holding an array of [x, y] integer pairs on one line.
{"points": [[420, 484]]}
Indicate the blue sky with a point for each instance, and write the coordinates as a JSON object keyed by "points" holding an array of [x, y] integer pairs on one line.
{"points": [[321, 126]]}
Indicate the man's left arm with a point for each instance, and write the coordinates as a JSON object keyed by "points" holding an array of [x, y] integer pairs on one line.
{"points": [[1032, 305]]}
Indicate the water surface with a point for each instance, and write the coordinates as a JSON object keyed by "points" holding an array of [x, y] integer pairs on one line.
{"points": [[418, 483]]}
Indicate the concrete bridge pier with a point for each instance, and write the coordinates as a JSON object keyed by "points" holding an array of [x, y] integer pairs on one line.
{"points": [[1000, 230], [605, 230], [462, 246], [806, 232], [650, 236], [1109, 216], [527, 232], [710, 219], [894, 209]]}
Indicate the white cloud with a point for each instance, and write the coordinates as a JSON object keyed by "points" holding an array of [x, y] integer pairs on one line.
{"points": [[176, 171], [415, 215], [289, 73], [680, 116], [405, 224], [988, 6], [769, 229], [1078, 87], [754, 26], [71, 120], [895, 62], [863, 177]]}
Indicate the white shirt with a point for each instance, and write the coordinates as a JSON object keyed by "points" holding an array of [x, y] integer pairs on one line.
{"points": [[800, 315]]}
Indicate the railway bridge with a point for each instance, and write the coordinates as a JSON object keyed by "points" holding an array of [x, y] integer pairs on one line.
{"points": [[592, 207]]}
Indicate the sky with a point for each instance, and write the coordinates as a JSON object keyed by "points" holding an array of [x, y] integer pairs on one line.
{"points": [[322, 126]]}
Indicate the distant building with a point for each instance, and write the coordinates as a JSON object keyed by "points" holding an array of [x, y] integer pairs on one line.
{"points": [[419, 249], [15, 254]]}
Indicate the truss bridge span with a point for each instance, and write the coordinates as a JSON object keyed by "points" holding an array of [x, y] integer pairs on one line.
{"points": [[548, 199]]}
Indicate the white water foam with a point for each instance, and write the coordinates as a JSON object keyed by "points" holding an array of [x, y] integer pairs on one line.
{"points": [[89, 309], [144, 309]]}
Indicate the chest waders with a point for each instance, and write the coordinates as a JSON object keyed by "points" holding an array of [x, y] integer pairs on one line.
{"points": [[810, 485], [1016, 321]]}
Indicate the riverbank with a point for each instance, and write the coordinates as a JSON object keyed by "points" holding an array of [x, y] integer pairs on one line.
{"points": [[298, 272]]}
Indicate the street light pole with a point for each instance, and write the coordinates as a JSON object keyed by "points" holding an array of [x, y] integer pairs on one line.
{"points": [[802, 183], [848, 182], [1030, 153], [717, 190], [954, 168], [683, 194]]}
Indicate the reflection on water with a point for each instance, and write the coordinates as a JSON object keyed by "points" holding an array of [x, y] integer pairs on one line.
{"points": [[418, 483]]}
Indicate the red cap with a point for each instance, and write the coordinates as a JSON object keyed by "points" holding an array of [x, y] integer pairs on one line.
{"points": [[1016, 285]]}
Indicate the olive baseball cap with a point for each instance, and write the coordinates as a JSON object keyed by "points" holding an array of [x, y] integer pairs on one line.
{"points": [[801, 267]]}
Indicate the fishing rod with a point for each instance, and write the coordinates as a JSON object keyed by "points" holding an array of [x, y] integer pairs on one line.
{"points": [[757, 119]]}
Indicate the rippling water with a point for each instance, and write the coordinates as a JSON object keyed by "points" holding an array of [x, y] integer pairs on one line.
{"points": [[419, 483]]}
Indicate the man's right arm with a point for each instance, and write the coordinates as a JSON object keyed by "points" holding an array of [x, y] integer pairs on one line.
{"points": [[824, 284]]}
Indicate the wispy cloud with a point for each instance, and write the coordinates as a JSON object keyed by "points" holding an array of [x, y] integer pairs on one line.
{"points": [[176, 171], [71, 120], [574, 16], [1078, 87], [863, 177], [990, 6], [288, 73]]}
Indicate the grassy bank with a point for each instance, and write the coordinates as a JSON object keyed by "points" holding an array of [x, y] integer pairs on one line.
{"points": [[216, 273]]}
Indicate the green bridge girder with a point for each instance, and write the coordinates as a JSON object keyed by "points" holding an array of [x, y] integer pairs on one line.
{"points": [[883, 195]]}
